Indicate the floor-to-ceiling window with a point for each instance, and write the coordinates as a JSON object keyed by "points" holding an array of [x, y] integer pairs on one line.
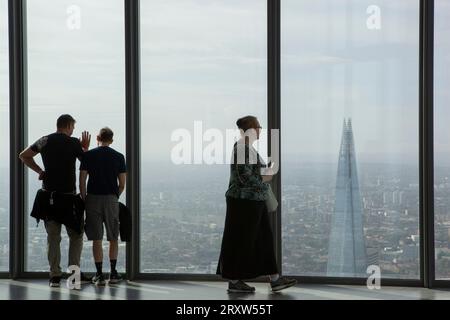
{"points": [[4, 138], [350, 185], [349, 105], [76, 65], [203, 65], [442, 139]]}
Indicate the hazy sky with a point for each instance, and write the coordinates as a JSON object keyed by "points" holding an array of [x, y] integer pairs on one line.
{"points": [[333, 66], [201, 60], [442, 82], [77, 71], [206, 60]]}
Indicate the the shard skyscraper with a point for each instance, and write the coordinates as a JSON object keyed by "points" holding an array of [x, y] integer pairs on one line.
{"points": [[346, 250]]}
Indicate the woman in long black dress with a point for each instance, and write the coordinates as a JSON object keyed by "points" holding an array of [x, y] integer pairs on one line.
{"points": [[247, 244]]}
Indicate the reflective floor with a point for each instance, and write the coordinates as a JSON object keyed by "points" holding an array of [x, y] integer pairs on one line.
{"points": [[187, 290]]}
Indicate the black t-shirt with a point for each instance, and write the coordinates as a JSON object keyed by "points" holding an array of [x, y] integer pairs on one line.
{"points": [[103, 165], [59, 153]]}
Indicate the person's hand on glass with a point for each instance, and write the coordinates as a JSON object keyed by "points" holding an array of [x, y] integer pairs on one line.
{"points": [[268, 171], [85, 140]]}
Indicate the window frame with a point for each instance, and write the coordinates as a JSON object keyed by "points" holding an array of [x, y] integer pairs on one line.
{"points": [[18, 117]]}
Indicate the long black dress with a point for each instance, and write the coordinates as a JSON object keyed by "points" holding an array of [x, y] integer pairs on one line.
{"points": [[247, 244]]}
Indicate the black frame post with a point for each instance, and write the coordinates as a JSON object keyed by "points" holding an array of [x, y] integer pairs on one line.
{"points": [[132, 62], [426, 79], [274, 106], [18, 117]]}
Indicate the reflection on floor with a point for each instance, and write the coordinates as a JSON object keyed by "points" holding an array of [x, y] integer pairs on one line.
{"points": [[189, 290]]}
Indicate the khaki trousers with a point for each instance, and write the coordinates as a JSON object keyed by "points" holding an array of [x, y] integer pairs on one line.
{"points": [[53, 247]]}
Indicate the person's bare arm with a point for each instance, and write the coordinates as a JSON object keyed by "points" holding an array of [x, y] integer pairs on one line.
{"points": [[122, 182], [83, 178], [27, 157]]}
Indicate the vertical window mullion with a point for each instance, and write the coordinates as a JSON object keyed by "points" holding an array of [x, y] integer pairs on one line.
{"points": [[17, 73], [426, 141], [273, 91], [132, 58]]}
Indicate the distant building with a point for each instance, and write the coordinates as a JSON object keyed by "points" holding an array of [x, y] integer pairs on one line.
{"points": [[346, 250], [372, 257], [384, 198]]}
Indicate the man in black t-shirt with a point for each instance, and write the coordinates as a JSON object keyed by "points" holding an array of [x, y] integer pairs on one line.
{"points": [[59, 153], [107, 175]]}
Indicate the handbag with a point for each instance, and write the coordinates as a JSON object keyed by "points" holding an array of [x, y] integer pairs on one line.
{"points": [[271, 202]]}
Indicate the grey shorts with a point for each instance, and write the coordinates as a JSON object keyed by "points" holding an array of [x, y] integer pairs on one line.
{"points": [[102, 210]]}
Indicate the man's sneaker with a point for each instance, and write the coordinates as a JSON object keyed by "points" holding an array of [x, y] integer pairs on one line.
{"points": [[55, 282], [99, 280], [240, 286], [115, 277], [282, 283]]}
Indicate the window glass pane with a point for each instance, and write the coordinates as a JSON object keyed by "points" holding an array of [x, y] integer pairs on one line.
{"points": [[4, 138], [203, 64], [75, 66], [442, 140], [350, 137]]}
